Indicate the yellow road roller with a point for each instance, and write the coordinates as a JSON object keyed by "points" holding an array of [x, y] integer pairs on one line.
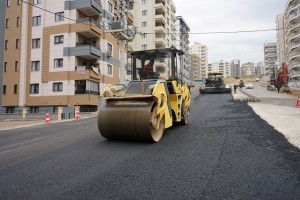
{"points": [[140, 110]]}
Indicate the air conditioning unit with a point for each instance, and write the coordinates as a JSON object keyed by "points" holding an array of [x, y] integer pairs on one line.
{"points": [[109, 54]]}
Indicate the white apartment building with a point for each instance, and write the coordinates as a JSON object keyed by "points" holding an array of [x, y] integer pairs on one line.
{"points": [[222, 66], [182, 43], [202, 51], [292, 42], [259, 69], [156, 22], [270, 59]]}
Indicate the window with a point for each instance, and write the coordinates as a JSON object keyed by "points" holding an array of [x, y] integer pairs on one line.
{"points": [[58, 62], [35, 65], [5, 66], [17, 43], [19, 2], [6, 23], [6, 44], [34, 109], [36, 21], [109, 47], [144, 12], [109, 69], [57, 87], [18, 21], [144, 35], [144, 2], [59, 39], [36, 43], [59, 16], [16, 66], [4, 89], [15, 89], [34, 88], [37, 2], [144, 24], [110, 7], [7, 3], [144, 47]]}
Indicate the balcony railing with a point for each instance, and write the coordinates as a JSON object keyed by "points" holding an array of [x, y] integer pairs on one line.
{"points": [[87, 92], [88, 50], [89, 7], [88, 19]]}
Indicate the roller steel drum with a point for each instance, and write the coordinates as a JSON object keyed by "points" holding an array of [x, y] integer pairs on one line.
{"points": [[125, 119]]}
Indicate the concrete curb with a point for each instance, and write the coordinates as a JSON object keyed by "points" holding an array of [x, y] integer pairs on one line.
{"points": [[250, 98]]}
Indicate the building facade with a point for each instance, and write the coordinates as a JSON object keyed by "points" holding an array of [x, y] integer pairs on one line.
{"points": [[270, 59], [222, 66], [259, 69], [202, 51], [247, 69], [182, 43], [292, 42], [156, 24], [196, 66], [235, 68], [58, 58]]}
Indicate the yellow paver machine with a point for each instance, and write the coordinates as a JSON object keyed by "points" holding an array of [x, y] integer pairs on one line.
{"points": [[141, 109]]}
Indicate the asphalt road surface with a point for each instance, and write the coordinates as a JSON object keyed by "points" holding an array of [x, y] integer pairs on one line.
{"points": [[226, 152]]}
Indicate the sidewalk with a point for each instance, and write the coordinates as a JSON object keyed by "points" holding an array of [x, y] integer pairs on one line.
{"points": [[242, 96], [10, 122]]}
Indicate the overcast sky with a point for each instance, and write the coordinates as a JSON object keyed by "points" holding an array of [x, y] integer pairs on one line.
{"points": [[231, 15]]}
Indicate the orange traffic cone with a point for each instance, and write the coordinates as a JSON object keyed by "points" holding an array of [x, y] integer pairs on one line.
{"points": [[47, 117], [77, 114], [298, 103]]}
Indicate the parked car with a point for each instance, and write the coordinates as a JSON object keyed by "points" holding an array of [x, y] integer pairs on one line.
{"points": [[249, 86]]}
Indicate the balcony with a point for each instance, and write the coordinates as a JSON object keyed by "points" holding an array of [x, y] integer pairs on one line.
{"points": [[88, 27], [85, 50], [160, 8], [130, 18], [160, 28], [120, 32], [160, 19], [296, 67], [160, 38], [88, 7]]}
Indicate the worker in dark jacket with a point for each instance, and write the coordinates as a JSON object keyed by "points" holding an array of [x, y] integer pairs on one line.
{"points": [[278, 87]]}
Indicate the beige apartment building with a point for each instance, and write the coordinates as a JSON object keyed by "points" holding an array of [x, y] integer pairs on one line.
{"points": [[58, 53], [156, 24], [222, 66], [292, 42], [196, 65], [247, 69], [201, 50], [270, 59]]}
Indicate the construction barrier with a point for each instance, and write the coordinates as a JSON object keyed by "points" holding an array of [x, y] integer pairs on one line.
{"points": [[298, 103], [77, 115], [47, 120]]}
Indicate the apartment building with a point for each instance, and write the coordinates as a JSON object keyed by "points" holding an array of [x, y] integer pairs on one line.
{"points": [[202, 51], [196, 66], [270, 59], [292, 42], [235, 68], [259, 69], [182, 43], [222, 66], [57, 53], [156, 22], [247, 69]]}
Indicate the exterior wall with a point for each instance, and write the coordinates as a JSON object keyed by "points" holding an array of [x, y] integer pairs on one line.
{"points": [[248, 69], [280, 40], [259, 69], [12, 77], [2, 25], [196, 65]]}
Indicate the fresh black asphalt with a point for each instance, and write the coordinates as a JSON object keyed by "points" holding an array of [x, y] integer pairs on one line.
{"points": [[226, 152]]}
